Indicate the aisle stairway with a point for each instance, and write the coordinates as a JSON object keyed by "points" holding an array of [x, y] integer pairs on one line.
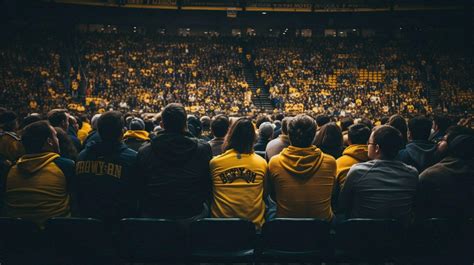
{"points": [[262, 101]]}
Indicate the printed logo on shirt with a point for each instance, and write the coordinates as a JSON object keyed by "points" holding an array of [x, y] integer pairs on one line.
{"points": [[98, 168], [230, 175]]}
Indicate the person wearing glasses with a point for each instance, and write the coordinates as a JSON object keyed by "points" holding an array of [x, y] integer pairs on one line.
{"points": [[382, 187]]}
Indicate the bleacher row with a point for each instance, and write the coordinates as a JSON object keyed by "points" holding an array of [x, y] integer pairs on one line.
{"points": [[232, 240]]}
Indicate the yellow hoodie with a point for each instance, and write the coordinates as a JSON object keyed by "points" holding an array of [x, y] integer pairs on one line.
{"points": [[303, 179], [36, 187], [353, 154], [238, 181], [137, 134], [84, 131]]}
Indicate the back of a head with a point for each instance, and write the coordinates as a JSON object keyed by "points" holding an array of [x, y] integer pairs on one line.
{"points": [[462, 146], [265, 131], [329, 135], [194, 125], [8, 120], [174, 118], [346, 123], [389, 140], [358, 134], [219, 125], [136, 124], [419, 128], [57, 117], [279, 117], [399, 123], [367, 123], [35, 135], [30, 119], [110, 126], [284, 125], [206, 123], [322, 119], [241, 136], [442, 122], [261, 119], [94, 121], [301, 130]]}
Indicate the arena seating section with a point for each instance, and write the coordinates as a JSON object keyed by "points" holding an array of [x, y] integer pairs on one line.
{"points": [[231, 240]]}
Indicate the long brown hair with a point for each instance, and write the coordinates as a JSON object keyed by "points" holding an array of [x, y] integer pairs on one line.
{"points": [[240, 137]]}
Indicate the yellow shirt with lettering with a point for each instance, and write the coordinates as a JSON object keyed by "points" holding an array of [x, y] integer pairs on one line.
{"points": [[238, 181]]}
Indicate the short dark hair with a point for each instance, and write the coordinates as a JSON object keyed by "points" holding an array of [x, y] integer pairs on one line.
{"points": [[34, 136], [358, 134], [399, 123], [174, 118], [442, 122], [284, 125], [389, 140], [367, 122], [322, 119], [456, 130], [301, 130], [329, 136], [220, 125], [261, 119], [110, 126], [8, 120], [346, 123], [56, 117], [241, 136], [420, 128], [30, 119]]}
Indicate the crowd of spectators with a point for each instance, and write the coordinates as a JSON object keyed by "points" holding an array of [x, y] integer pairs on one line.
{"points": [[178, 166], [147, 72], [368, 77]]}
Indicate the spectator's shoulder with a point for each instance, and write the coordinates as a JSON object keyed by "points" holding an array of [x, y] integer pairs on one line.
{"points": [[67, 166]]}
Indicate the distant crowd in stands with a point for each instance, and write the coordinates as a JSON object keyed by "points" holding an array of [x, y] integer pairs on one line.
{"points": [[136, 72], [184, 167]]}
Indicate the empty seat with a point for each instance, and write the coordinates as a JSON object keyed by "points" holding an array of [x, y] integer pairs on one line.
{"points": [[81, 240], [152, 240], [367, 240], [295, 240], [223, 240]]}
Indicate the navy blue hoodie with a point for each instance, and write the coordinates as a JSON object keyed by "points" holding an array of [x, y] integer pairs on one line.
{"points": [[104, 181], [419, 154]]}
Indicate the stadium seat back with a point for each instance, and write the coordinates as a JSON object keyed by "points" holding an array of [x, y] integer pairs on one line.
{"points": [[152, 240], [223, 239], [445, 239], [302, 239], [370, 240], [81, 240], [21, 242]]}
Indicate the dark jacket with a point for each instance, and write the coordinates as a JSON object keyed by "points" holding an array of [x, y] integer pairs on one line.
{"points": [[261, 144], [75, 140], [104, 181], [447, 190], [419, 154], [174, 176], [92, 137], [216, 146]]}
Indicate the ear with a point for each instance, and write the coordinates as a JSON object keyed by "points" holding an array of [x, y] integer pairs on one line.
{"points": [[161, 125]]}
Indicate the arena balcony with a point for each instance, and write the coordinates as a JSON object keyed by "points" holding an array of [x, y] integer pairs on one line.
{"points": [[276, 5]]}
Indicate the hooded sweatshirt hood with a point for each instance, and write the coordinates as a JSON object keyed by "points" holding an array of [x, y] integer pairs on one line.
{"points": [[137, 134], [421, 152], [174, 147], [357, 151], [32, 163], [301, 162]]}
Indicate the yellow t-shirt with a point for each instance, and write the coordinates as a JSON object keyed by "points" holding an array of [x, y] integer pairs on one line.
{"points": [[238, 181]]}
